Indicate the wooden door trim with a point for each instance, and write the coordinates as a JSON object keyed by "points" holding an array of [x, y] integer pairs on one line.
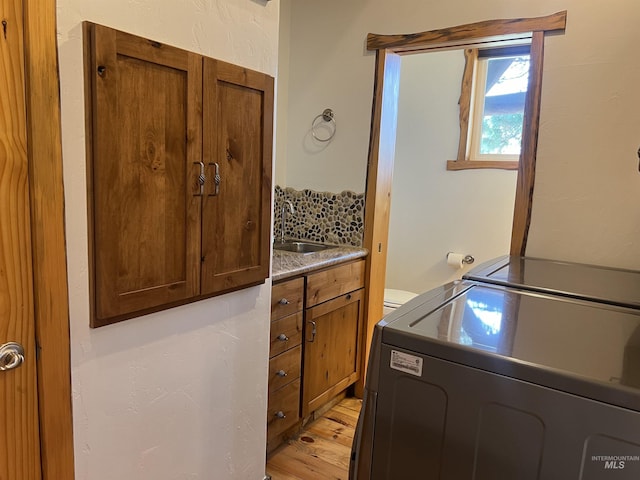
{"points": [[527, 164], [470, 32], [378, 201], [383, 131], [48, 239]]}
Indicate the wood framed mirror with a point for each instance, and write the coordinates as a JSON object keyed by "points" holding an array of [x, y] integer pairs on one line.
{"points": [[389, 49]]}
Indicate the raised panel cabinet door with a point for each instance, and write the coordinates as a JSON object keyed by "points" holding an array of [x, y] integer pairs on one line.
{"points": [[145, 159], [237, 144], [331, 349]]}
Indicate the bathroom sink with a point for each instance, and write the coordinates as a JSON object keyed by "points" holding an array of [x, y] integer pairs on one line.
{"points": [[297, 246]]}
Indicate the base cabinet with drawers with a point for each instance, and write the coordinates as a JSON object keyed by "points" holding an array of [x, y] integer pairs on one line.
{"points": [[316, 337]]}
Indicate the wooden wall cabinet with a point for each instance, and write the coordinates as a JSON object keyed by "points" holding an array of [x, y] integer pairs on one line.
{"points": [[179, 174]]}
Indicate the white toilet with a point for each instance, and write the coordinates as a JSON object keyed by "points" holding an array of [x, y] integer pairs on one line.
{"points": [[394, 298]]}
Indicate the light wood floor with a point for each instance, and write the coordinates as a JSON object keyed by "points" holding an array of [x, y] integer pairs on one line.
{"points": [[322, 450]]}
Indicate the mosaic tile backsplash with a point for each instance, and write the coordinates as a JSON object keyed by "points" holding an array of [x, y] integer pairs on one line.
{"points": [[336, 218]]}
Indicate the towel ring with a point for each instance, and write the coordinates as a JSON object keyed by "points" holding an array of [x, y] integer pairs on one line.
{"points": [[326, 116]]}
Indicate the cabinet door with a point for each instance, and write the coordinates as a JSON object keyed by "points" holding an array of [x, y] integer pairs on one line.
{"points": [[237, 143], [145, 149], [332, 349]]}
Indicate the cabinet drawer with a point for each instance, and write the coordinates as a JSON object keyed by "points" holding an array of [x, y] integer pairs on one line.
{"points": [[286, 333], [283, 410], [286, 298], [336, 281], [284, 368]]}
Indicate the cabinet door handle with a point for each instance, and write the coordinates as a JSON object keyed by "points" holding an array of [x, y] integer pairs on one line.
{"points": [[216, 180], [282, 337], [349, 296], [281, 373], [280, 414], [313, 331], [201, 179], [284, 301]]}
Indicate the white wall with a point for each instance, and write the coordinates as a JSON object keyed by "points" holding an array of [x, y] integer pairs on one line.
{"points": [[587, 181], [435, 211], [179, 394], [282, 96], [321, 50]]}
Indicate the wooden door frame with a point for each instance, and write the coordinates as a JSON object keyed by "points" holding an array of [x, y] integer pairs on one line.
{"points": [[44, 148], [383, 136]]}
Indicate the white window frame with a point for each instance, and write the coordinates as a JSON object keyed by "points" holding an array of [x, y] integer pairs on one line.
{"points": [[475, 126], [471, 116]]}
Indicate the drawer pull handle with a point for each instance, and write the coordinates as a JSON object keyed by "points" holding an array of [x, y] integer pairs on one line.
{"points": [[349, 296], [284, 301], [280, 414], [313, 332], [282, 337], [281, 373]]}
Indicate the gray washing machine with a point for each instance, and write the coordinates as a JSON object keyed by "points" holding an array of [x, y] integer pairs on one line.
{"points": [[499, 380]]}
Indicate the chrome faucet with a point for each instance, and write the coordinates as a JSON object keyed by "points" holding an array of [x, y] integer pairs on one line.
{"points": [[286, 205]]}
